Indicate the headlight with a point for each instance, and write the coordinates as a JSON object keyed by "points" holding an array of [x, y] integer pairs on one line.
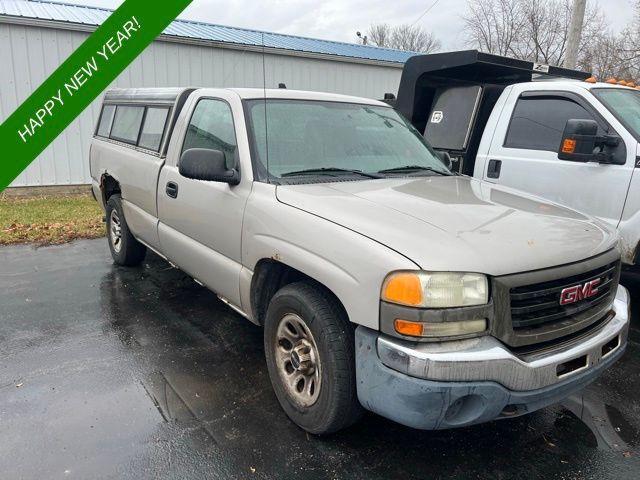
{"points": [[435, 289]]}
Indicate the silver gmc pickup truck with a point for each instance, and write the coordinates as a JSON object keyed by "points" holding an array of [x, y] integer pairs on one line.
{"points": [[382, 279]]}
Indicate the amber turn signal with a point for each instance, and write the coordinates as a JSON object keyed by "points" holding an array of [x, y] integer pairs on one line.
{"points": [[440, 329], [411, 329], [403, 288], [568, 145]]}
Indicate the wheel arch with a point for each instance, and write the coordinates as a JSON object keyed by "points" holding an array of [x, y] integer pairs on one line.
{"points": [[109, 186], [269, 276]]}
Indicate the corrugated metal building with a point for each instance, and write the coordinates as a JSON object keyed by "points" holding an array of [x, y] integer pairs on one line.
{"points": [[37, 36]]}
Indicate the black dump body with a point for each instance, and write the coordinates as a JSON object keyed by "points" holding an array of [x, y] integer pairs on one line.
{"points": [[448, 97]]}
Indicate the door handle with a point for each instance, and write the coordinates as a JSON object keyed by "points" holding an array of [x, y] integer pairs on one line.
{"points": [[172, 189], [493, 171]]}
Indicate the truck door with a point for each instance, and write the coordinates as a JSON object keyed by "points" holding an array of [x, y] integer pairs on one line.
{"points": [[201, 221], [523, 155]]}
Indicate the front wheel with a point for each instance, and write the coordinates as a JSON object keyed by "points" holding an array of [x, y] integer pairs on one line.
{"points": [[309, 347]]}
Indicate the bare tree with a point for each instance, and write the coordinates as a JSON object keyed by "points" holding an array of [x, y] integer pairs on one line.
{"points": [[546, 30], [495, 26], [536, 30], [605, 58], [413, 39], [379, 34], [627, 49], [403, 37]]}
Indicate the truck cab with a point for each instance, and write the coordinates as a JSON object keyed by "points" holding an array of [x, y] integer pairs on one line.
{"points": [[504, 121]]}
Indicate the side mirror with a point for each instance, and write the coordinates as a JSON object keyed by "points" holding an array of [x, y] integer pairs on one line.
{"points": [[207, 164], [446, 158], [581, 143]]}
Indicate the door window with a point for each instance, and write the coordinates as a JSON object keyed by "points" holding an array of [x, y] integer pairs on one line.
{"points": [[211, 126], [537, 123]]}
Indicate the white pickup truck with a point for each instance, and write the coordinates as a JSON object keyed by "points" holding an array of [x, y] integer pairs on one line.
{"points": [[382, 279], [500, 126]]}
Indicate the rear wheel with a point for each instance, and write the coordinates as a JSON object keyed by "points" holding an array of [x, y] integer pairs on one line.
{"points": [[309, 346], [125, 249]]}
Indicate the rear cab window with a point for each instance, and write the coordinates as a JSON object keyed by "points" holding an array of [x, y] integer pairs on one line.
{"points": [[106, 120], [126, 124], [153, 129], [142, 126]]}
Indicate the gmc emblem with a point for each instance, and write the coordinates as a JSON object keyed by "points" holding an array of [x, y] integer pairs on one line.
{"points": [[579, 292]]}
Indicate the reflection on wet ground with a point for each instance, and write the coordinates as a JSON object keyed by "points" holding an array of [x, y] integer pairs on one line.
{"points": [[129, 373]]}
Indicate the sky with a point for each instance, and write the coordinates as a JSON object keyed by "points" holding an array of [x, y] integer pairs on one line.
{"points": [[341, 19]]}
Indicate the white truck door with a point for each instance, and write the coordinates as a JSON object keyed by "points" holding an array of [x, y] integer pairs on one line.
{"points": [[523, 154], [201, 221]]}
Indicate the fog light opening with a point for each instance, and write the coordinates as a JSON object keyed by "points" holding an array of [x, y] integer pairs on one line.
{"points": [[465, 410], [610, 346], [571, 366]]}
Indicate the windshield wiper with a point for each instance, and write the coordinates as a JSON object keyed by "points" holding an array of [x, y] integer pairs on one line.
{"points": [[414, 168], [330, 171]]}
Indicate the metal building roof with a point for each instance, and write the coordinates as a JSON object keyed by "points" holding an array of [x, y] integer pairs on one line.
{"points": [[93, 16]]}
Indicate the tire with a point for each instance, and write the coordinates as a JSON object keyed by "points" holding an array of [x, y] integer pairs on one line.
{"points": [[326, 350], [125, 249]]}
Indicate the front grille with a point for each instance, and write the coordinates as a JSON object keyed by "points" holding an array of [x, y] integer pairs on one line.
{"points": [[529, 352], [538, 305]]}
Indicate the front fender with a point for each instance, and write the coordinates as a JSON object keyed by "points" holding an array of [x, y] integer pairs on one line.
{"points": [[351, 265], [629, 230]]}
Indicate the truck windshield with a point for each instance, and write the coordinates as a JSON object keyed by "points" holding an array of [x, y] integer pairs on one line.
{"points": [[624, 104], [330, 139]]}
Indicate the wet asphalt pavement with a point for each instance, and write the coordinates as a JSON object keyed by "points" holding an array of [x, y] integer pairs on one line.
{"points": [[107, 372]]}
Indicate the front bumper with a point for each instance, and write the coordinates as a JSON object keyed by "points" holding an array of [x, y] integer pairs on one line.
{"points": [[458, 383]]}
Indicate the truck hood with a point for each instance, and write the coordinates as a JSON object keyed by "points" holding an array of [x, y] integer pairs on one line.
{"points": [[456, 223]]}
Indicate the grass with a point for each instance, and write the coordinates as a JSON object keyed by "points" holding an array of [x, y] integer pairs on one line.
{"points": [[49, 220]]}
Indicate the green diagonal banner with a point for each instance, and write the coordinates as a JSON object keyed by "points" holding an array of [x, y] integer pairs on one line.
{"points": [[79, 80]]}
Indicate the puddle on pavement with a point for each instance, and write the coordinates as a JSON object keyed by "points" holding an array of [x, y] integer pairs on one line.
{"points": [[167, 400], [610, 429], [152, 373]]}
